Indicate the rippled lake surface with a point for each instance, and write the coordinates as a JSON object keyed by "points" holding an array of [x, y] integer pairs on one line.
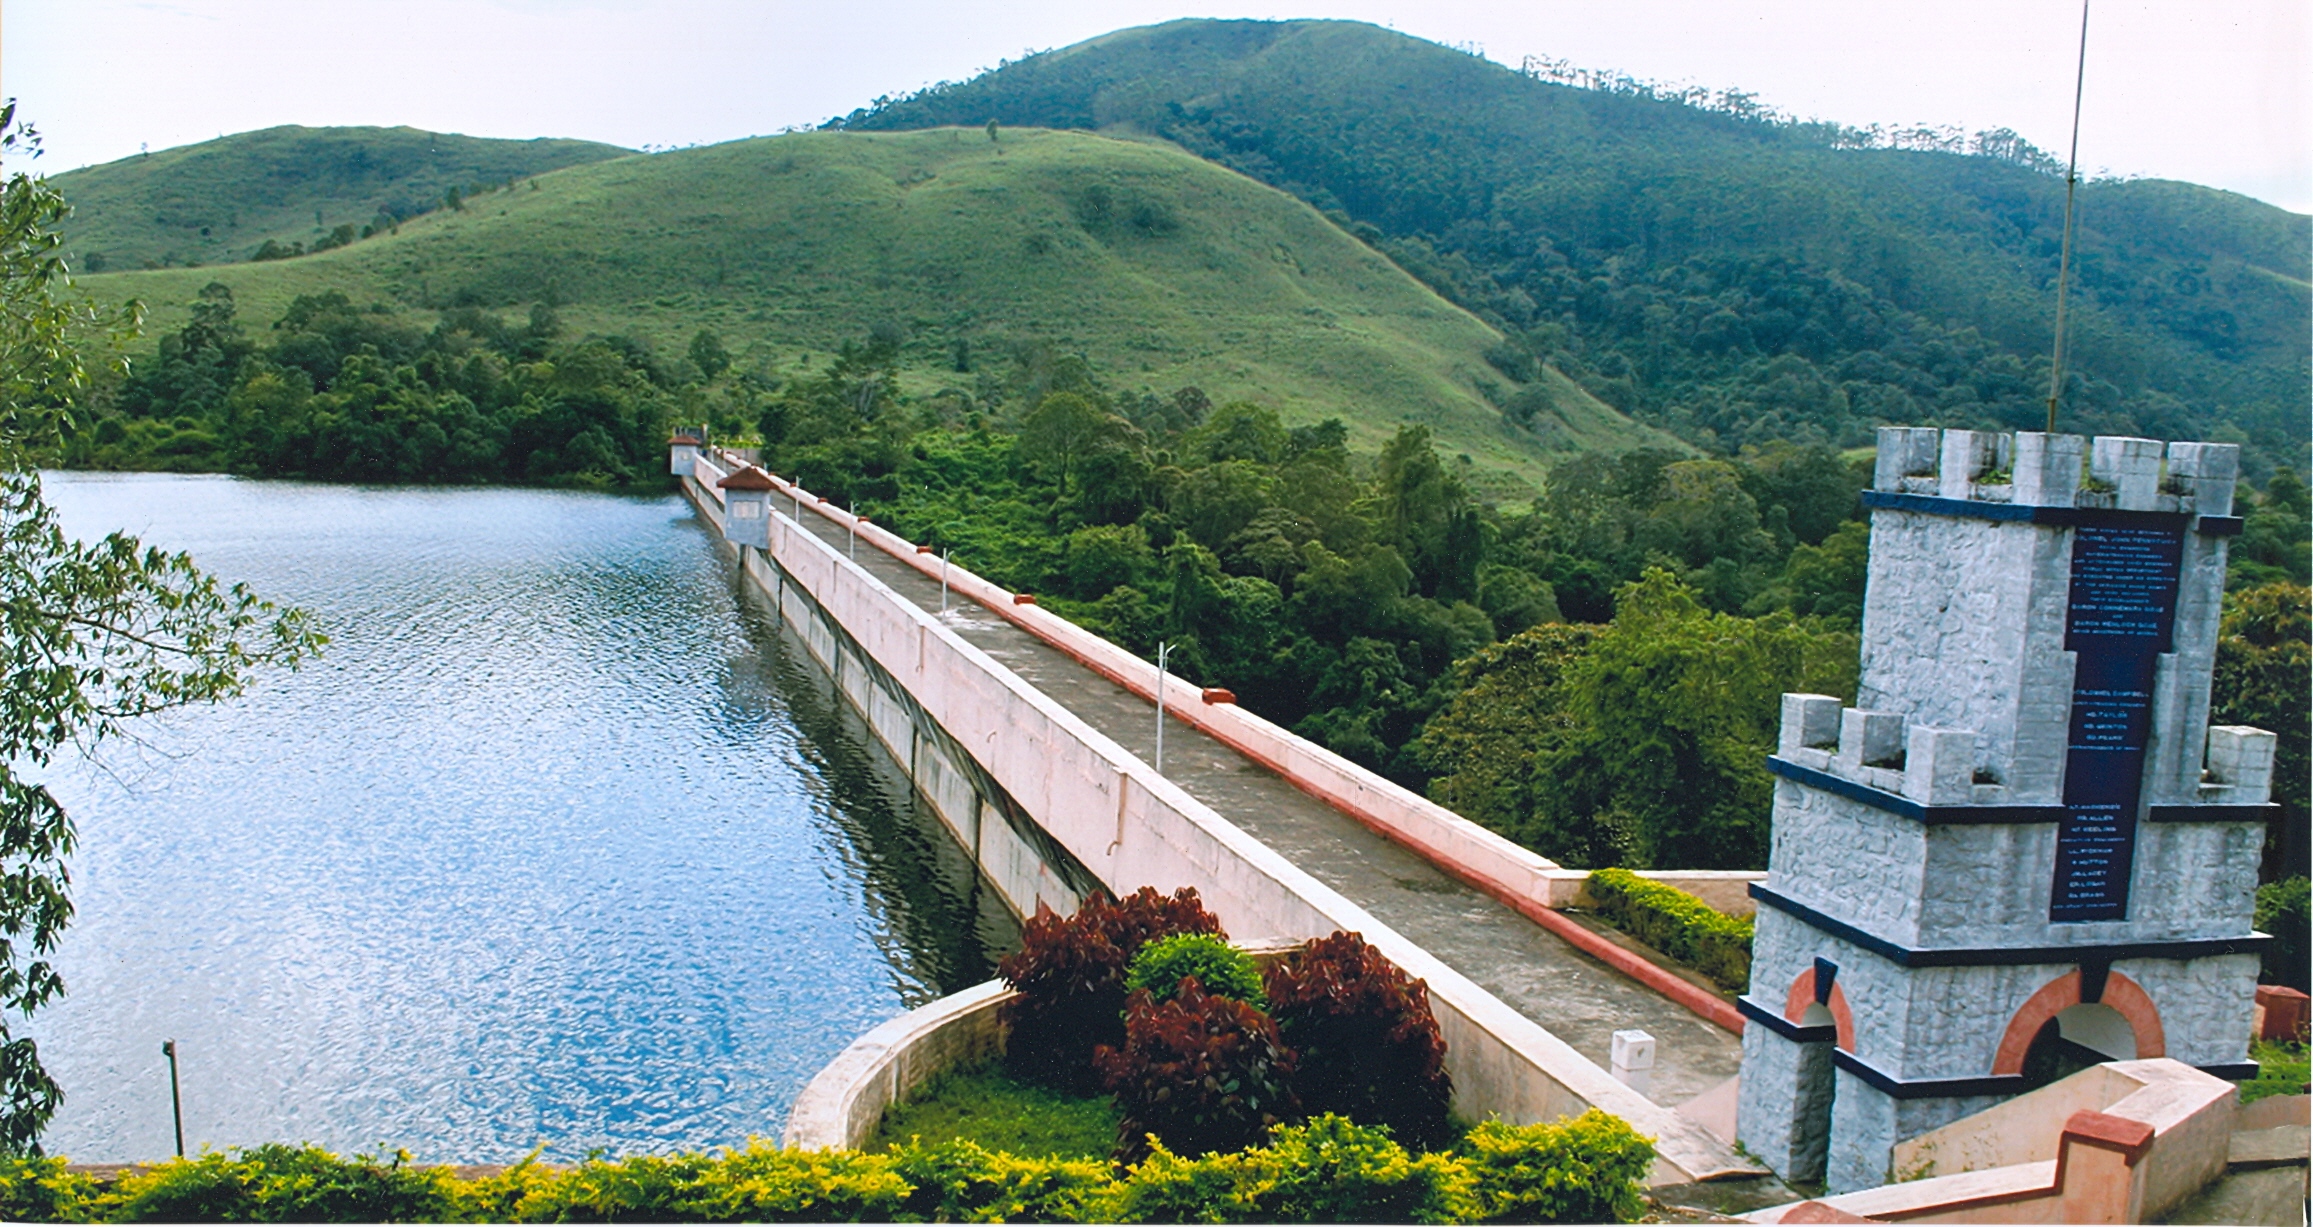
{"points": [[559, 843]]}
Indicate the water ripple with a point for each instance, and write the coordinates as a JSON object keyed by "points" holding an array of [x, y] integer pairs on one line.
{"points": [[559, 844]]}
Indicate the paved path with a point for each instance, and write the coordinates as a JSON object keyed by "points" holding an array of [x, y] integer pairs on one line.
{"points": [[1574, 996]]}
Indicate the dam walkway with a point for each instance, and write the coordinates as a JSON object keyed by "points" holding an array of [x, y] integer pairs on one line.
{"points": [[1574, 996]]}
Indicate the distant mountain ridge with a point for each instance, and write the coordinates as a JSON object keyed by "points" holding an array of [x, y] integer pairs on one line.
{"points": [[1157, 268], [221, 201], [1730, 279]]}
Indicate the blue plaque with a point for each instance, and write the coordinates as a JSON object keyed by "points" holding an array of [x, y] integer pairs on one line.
{"points": [[2119, 617]]}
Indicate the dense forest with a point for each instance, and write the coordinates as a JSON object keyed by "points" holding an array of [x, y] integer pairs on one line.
{"points": [[1594, 674], [1711, 269]]}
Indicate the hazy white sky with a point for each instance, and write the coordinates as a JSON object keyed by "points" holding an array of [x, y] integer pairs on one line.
{"points": [[2212, 91]]}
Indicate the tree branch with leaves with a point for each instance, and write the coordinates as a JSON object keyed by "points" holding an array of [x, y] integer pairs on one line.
{"points": [[92, 635]]}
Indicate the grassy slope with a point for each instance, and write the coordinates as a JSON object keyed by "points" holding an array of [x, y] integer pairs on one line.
{"points": [[253, 186], [2195, 292], [801, 242]]}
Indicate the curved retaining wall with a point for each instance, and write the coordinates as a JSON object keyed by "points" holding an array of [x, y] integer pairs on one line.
{"points": [[1132, 827], [843, 1103]]}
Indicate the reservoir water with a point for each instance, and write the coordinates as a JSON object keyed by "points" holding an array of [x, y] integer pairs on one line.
{"points": [[559, 844]]}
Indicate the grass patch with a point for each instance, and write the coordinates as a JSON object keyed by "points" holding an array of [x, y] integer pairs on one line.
{"points": [[985, 1105], [2282, 1069]]}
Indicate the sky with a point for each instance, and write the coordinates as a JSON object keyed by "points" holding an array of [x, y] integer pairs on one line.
{"points": [[2210, 91]]}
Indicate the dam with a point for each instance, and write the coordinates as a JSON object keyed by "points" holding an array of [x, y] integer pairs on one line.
{"points": [[1034, 741]]}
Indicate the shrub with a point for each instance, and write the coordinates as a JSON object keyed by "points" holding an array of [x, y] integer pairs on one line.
{"points": [[1328, 1171], [1334, 1171], [283, 1183], [1584, 1170], [41, 1191], [1201, 1072], [2281, 911], [1676, 923], [1222, 969], [1069, 974], [1368, 1045], [758, 1184], [958, 1181]]}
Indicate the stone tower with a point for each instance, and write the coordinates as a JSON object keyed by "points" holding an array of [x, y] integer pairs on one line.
{"points": [[2024, 850]]}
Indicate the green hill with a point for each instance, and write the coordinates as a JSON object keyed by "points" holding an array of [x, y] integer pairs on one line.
{"points": [[1160, 269], [1724, 275], [220, 201]]}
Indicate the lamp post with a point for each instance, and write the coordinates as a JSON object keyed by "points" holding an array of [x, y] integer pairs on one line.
{"points": [[1164, 654], [176, 1101]]}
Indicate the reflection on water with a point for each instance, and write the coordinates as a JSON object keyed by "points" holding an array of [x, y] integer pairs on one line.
{"points": [[561, 842]]}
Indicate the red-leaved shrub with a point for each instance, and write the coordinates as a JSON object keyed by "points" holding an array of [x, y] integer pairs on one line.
{"points": [[1202, 1073], [1069, 974], [1369, 1046]]}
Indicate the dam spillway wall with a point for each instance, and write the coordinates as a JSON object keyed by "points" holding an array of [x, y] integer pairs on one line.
{"points": [[1124, 825]]}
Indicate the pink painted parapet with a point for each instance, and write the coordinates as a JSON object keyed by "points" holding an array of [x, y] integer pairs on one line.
{"points": [[1512, 875], [2116, 1143]]}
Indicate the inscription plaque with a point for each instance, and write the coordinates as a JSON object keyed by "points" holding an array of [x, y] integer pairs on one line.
{"points": [[2119, 616]]}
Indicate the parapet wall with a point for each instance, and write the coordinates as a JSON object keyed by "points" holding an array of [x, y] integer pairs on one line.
{"points": [[1131, 827]]}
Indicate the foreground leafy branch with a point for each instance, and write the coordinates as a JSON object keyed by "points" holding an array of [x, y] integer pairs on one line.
{"points": [[91, 635]]}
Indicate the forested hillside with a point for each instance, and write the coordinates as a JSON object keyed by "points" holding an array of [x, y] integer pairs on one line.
{"points": [[967, 253], [1731, 278], [285, 191]]}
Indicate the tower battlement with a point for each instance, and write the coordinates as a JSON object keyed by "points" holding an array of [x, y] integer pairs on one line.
{"points": [[2026, 799]]}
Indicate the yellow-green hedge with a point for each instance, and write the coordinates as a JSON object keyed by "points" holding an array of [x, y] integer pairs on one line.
{"points": [[1587, 1169], [1676, 923]]}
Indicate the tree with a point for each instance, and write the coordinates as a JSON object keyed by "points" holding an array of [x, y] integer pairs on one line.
{"points": [[1670, 715], [2264, 664], [1064, 429], [91, 635], [1481, 748], [708, 354]]}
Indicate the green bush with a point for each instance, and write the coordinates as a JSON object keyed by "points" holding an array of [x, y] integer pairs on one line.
{"points": [[283, 1183], [1326, 1171], [2281, 911], [1221, 968], [1333, 1171], [41, 1191], [958, 1181], [1585, 1170], [1676, 923]]}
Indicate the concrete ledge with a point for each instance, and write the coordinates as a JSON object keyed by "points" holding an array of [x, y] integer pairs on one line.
{"points": [[843, 1104]]}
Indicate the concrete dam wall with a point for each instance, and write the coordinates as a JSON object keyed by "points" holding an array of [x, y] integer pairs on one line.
{"points": [[1050, 806]]}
